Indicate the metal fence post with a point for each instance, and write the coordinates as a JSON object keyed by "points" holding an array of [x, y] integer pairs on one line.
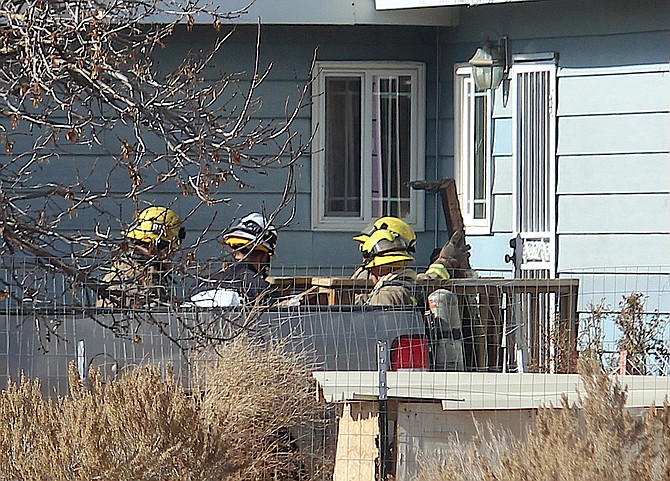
{"points": [[385, 459]]}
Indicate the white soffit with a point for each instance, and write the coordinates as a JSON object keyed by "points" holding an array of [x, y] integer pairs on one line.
{"points": [[401, 4], [334, 12]]}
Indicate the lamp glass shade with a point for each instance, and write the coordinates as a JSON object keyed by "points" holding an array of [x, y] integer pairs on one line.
{"points": [[488, 67], [487, 77]]}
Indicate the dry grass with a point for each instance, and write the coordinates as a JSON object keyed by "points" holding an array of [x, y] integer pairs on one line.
{"points": [[145, 427], [595, 439]]}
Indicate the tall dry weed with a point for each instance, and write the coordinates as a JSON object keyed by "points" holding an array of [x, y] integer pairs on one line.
{"points": [[641, 336], [594, 439], [144, 426], [263, 402]]}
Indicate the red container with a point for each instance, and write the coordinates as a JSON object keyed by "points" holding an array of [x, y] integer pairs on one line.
{"points": [[410, 352]]}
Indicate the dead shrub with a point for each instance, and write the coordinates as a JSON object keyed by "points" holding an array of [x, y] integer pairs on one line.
{"points": [[145, 426], [594, 439], [641, 339], [263, 402], [642, 336]]}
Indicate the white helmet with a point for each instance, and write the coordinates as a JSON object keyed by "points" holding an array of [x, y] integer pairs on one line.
{"points": [[254, 231]]}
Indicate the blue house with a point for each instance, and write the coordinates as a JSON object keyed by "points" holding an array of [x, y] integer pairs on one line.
{"points": [[570, 153]]}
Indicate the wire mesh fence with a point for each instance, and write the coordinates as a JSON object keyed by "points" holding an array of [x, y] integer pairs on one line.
{"points": [[396, 382]]}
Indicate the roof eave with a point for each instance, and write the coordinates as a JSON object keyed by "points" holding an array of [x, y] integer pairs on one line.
{"points": [[339, 12]]}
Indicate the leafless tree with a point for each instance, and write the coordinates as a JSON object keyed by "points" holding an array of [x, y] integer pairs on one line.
{"points": [[80, 76]]}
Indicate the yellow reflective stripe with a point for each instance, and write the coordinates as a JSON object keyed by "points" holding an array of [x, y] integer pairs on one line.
{"points": [[439, 270]]}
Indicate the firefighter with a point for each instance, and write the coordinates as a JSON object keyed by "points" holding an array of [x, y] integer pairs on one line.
{"points": [[455, 256], [392, 224], [141, 275], [397, 285], [386, 256], [452, 255], [252, 241]]}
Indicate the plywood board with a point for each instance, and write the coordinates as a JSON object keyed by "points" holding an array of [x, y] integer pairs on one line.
{"points": [[356, 442], [426, 433]]}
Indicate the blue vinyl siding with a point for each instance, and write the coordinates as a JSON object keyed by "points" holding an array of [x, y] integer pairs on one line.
{"points": [[614, 91], [614, 166], [613, 128], [631, 133], [291, 48], [602, 251], [502, 179], [613, 118], [600, 174], [613, 214], [503, 173], [502, 214]]}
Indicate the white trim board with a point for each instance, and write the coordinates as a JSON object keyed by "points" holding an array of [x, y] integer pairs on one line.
{"points": [[614, 70], [399, 4], [475, 391]]}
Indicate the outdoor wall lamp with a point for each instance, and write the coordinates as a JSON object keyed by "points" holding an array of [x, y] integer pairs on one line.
{"points": [[490, 65]]}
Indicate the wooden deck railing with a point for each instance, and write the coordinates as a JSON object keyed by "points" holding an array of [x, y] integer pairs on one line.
{"points": [[508, 324]]}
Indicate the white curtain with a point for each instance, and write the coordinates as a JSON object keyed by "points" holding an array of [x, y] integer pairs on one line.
{"points": [[377, 160]]}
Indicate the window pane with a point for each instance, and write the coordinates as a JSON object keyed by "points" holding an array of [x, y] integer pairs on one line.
{"points": [[343, 146], [479, 167], [391, 156]]}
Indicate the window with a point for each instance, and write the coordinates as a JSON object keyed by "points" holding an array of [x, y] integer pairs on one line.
{"points": [[369, 143], [472, 152]]}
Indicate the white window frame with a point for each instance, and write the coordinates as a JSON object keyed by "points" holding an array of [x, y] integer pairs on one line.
{"points": [[366, 71], [464, 160]]}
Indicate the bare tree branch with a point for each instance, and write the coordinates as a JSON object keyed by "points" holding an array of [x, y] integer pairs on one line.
{"points": [[80, 80]]}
